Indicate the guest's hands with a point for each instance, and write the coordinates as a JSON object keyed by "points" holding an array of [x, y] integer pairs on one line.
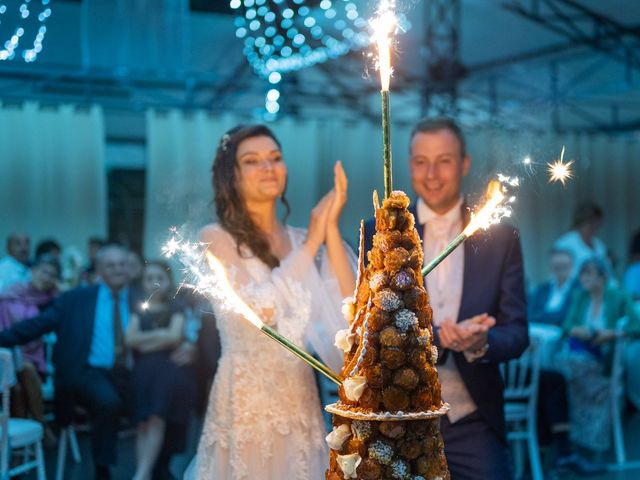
{"points": [[582, 333], [340, 184], [469, 335], [184, 354], [605, 336]]}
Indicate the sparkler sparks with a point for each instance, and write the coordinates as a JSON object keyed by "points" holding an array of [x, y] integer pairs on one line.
{"points": [[213, 283], [497, 206], [560, 171], [384, 26]]}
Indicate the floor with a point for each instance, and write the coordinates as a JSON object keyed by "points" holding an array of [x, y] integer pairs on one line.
{"points": [[125, 468]]}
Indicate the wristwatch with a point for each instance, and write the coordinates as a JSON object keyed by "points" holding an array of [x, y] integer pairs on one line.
{"points": [[475, 355]]}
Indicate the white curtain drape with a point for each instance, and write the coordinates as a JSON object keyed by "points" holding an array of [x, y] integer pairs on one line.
{"points": [[181, 149], [52, 173]]}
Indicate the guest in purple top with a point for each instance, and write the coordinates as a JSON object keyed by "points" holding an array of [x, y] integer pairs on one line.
{"points": [[17, 303]]}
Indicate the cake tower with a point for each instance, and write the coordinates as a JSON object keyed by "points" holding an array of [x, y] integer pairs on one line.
{"points": [[386, 422]]}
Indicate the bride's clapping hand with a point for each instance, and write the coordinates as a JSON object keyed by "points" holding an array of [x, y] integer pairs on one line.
{"points": [[317, 230], [340, 184]]}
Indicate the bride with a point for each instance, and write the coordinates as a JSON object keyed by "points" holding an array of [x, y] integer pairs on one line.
{"points": [[264, 416]]}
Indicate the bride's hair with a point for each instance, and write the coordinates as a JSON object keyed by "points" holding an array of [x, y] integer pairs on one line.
{"points": [[230, 207]]}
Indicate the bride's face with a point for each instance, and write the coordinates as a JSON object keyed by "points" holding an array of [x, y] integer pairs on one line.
{"points": [[262, 174]]}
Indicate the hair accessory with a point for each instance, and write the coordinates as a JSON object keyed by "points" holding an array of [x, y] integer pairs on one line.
{"points": [[224, 142]]}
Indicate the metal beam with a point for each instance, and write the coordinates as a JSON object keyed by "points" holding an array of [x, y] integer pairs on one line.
{"points": [[582, 26], [442, 53]]}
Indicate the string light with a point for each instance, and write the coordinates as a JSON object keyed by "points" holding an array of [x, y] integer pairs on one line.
{"points": [[308, 34], [9, 47]]}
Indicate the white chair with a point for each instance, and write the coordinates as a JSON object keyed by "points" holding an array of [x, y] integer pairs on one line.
{"points": [[521, 400], [617, 391], [17, 435], [550, 338], [68, 440]]}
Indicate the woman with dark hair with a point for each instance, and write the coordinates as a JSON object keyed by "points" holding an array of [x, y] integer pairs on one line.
{"points": [[591, 326], [162, 391], [264, 417], [582, 240]]}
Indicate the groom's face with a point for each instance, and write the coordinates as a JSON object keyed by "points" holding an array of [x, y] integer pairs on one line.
{"points": [[437, 167]]}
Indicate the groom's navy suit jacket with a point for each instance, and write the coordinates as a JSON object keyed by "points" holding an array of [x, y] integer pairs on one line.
{"points": [[494, 284], [71, 317]]}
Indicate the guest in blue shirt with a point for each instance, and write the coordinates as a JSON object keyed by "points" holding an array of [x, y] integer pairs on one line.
{"points": [[90, 356]]}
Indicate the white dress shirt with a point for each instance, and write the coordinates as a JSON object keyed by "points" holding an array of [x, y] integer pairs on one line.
{"points": [[444, 285], [557, 296]]}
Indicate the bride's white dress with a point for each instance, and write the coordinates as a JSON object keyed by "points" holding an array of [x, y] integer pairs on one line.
{"points": [[264, 418]]}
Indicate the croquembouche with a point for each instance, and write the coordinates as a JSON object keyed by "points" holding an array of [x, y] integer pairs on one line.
{"points": [[386, 422]]}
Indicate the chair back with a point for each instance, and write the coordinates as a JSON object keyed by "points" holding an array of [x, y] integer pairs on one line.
{"points": [[521, 375], [617, 360], [617, 390], [550, 338], [7, 380]]}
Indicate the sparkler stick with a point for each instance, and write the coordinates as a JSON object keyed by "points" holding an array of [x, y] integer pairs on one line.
{"points": [[218, 288], [383, 27], [496, 207], [242, 308]]}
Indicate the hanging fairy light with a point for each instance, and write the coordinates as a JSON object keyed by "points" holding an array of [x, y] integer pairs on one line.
{"points": [[24, 13], [287, 35]]}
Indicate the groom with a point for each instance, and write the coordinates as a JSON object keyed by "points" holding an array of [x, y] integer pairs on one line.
{"points": [[478, 300]]}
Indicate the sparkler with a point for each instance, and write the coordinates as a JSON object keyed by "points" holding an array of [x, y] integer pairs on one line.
{"points": [[495, 209], [384, 26], [560, 171], [215, 284]]}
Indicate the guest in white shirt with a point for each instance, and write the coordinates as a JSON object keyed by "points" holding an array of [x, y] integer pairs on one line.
{"points": [[550, 301], [14, 268]]}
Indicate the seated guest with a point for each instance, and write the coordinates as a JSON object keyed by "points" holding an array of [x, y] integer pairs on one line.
{"points": [[591, 328], [90, 274], [632, 275], [14, 268], [89, 355], [17, 303], [582, 240], [550, 301], [48, 247], [163, 390]]}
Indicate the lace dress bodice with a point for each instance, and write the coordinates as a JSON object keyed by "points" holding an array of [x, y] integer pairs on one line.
{"points": [[262, 394]]}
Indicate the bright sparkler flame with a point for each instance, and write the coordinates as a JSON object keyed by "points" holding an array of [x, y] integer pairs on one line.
{"points": [[212, 280], [384, 25], [225, 291], [560, 171], [497, 206]]}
